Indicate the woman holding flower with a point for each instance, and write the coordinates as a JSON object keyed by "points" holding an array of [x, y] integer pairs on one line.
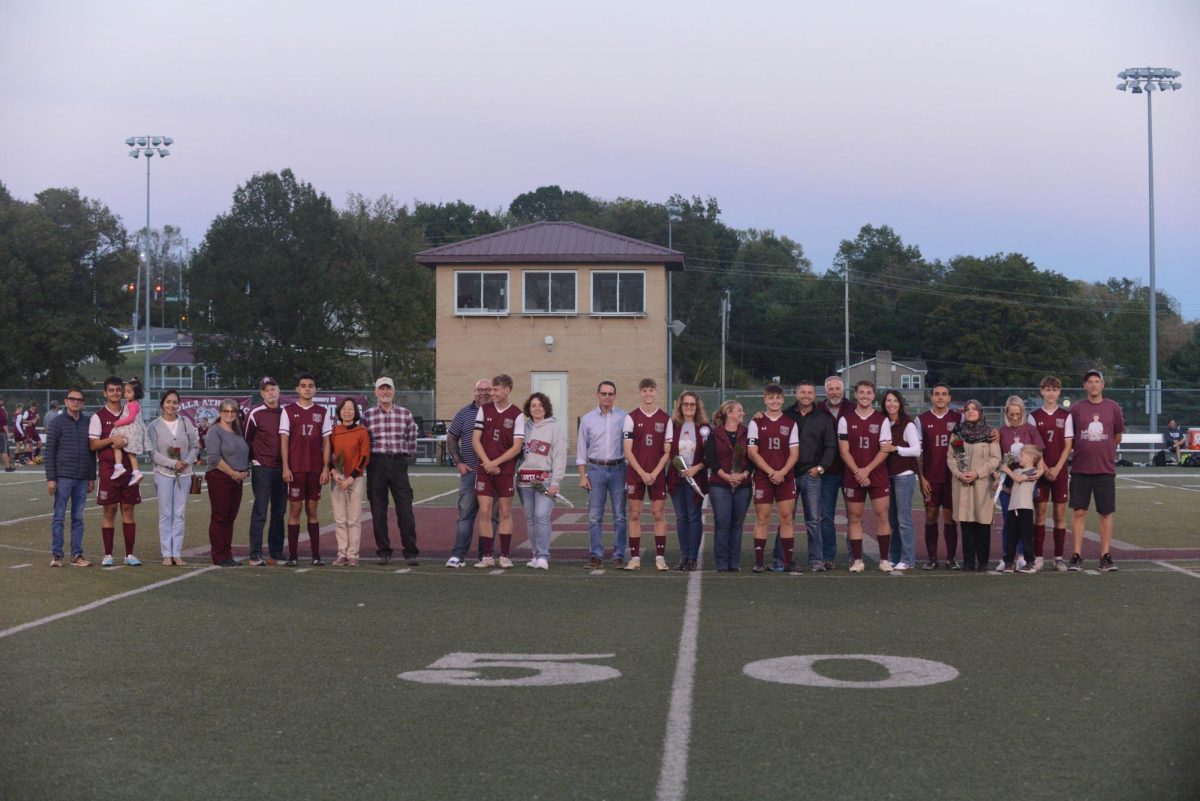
{"points": [[728, 483], [350, 450], [973, 457], [174, 444], [687, 436], [541, 474]]}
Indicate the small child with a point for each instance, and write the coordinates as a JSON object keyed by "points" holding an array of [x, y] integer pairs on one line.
{"points": [[1020, 507], [133, 429]]}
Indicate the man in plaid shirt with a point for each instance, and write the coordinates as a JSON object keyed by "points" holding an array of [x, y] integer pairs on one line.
{"points": [[393, 443]]}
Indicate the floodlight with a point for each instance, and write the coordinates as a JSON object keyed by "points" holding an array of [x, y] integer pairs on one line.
{"points": [[1121, 87], [163, 152], [168, 141], [156, 140], [141, 140], [129, 141]]}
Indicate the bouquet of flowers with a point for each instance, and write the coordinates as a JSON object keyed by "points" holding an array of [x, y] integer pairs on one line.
{"points": [[678, 464], [176, 454], [959, 449], [739, 458], [538, 486]]}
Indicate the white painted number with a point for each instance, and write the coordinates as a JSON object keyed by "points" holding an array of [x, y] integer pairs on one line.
{"points": [[774, 444], [903, 671], [306, 429], [941, 440], [466, 670], [864, 443]]}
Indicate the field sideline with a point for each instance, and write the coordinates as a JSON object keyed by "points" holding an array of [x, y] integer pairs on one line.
{"points": [[391, 682]]}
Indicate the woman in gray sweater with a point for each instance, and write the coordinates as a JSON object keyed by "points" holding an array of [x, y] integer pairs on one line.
{"points": [[174, 444], [544, 466], [228, 466]]}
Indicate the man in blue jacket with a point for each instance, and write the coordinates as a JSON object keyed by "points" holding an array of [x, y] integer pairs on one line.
{"points": [[70, 475]]}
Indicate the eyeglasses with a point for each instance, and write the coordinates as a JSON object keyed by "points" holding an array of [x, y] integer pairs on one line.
{"points": [[688, 405], [74, 400], [607, 394]]}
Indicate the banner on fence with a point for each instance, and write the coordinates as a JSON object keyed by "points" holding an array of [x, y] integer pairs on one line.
{"points": [[203, 410]]}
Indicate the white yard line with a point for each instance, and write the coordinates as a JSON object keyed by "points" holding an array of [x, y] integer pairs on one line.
{"points": [[96, 604], [1163, 486], [435, 497], [1178, 569], [672, 778]]}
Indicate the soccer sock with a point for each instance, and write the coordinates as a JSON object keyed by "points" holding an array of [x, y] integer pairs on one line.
{"points": [[759, 547], [293, 539], [107, 535], [485, 547], [931, 539], [660, 545], [128, 533], [856, 549], [314, 538], [885, 545], [635, 546], [788, 550], [505, 544], [1060, 538], [951, 531]]}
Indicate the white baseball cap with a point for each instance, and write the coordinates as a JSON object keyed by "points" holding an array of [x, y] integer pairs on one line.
{"points": [[383, 381]]}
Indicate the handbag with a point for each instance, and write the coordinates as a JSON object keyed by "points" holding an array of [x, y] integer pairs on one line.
{"points": [[197, 482]]}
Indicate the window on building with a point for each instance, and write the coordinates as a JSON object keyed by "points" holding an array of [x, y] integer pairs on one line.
{"points": [[480, 293], [549, 292], [905, 381], [916, 381], [618, 292]]}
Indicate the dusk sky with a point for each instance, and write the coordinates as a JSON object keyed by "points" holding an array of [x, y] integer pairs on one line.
{"points": [[969, 127]]}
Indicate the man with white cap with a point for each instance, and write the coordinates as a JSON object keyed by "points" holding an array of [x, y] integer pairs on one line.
{"points": [[393, 435]]}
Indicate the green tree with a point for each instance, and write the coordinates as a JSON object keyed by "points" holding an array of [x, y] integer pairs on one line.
{"points": [[267, 294], [63, 262], [551, 203], [444, 223]]}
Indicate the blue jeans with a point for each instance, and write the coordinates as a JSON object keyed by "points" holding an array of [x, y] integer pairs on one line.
{"points": [[468, 508], [688, 520], [831, 488], [729, 513], [608, 483], [810, 497], [269, 490], [76, 491], [538, 507], [904, 543]]}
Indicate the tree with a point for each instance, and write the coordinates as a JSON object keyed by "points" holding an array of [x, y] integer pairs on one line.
{"points": [[452, 222], [63, 262], [267, 295], [551, 203]]}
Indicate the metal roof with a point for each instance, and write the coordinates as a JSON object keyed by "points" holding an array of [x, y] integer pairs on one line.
{"points": [[552, 242]]}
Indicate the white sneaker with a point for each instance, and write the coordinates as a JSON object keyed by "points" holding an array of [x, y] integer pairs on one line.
{"points": [[634, 563], [135, 477], [1060, 565], [660, 563], [107, 561], [486, 562], [1021, 563], [857, 566], [455, 562], [885, 566], [532, 562], [542, 563], [118, 471], [900, 567], [1037, 564], [504, 562], [999, 566]]}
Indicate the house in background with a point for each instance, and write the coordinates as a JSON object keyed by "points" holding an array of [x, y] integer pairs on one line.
{"points": [[177, 368], [906, 375], [559, 306]]}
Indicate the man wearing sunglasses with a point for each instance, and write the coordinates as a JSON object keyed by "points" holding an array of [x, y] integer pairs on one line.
{"points": [[70, 476]]}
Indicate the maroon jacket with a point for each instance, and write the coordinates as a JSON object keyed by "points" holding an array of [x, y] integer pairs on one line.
{"points": [[674, 480]]}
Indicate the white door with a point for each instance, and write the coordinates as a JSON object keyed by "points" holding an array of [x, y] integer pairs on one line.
{"points": [[554, 387]]}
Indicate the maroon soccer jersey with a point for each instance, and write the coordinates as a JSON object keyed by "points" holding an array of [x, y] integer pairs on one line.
{"points": [[862, 434], [500, 429], [262, 432], [101, 427], [1055, 428], [935, 441], [306, 429], [774, 439], [1096, 428], [648, 434]]}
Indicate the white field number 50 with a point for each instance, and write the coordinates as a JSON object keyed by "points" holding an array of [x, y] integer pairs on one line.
{"points": [[548, 670]]}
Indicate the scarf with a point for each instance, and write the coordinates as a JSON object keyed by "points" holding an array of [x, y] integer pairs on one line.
{"points": [[974, 432]]}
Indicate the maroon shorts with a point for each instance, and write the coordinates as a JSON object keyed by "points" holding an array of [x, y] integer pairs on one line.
{"points": [[1057, 490], [940, 495], [859, 494], [501, 485], [305, 486], [18, 436], [636, 489], [766, 492], [111, 492]]}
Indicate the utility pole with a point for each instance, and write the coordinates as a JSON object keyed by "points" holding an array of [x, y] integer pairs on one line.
{"points": [[724, 333]]}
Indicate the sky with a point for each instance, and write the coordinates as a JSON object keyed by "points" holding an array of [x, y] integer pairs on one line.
{"points": [[969, 127]]}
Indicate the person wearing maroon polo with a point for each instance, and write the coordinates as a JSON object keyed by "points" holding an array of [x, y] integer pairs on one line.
{"points": [[228, 460], [111, 492], [266, 474]]}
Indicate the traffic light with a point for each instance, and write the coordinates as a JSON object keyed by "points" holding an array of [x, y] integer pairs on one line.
{"points": [[130, 288], [158, 291]]}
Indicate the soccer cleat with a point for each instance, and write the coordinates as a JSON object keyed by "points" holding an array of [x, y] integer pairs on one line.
{"points": [[930, 564], [133, 561], [504, 562], [118, 471], [454, 562], [660, 563], [1037, 564], [634, 563], [1060, 565], [900, 567], [135, 477], [1076, 563], [953, 564], [885, 566], [56, 561], [857, 566], [107, 561], [793, 568], [485, 563], [1106, 564]]}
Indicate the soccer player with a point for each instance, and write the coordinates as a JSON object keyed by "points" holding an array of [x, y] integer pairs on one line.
{"points": [[113, 492], [498, 438], [773, 445], [937, 487], [304, 431], [1058, 434], [859, 435], [1098, 423], [646, 433]]}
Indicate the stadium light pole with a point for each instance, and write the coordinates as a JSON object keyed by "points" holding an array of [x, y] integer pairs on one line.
{"points": [[674, 214], [148, 147], [1147, 80]]}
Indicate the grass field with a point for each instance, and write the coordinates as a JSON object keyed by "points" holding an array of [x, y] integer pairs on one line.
{"points": [[389, 682]]}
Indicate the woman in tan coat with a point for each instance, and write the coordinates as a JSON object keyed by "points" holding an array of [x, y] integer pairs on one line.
{"points": [[973, 457]]}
